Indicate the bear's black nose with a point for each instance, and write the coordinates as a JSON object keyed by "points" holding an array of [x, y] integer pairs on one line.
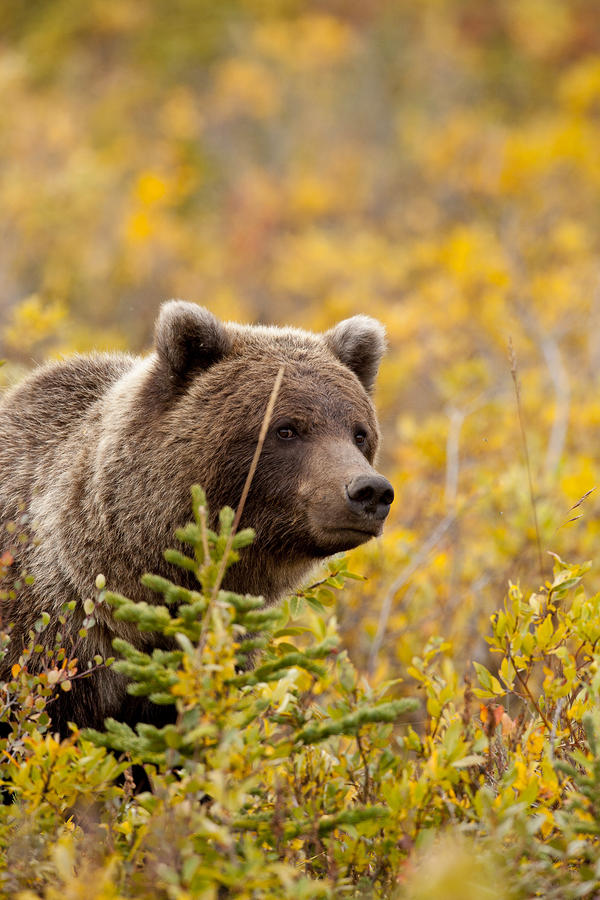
{"points": [[370, 494]]}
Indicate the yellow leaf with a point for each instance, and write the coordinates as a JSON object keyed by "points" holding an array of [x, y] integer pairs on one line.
{"points": [[544, 633]]}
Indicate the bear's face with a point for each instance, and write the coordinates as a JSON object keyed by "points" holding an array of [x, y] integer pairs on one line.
{"points": [[315, 491], [316, 466]]}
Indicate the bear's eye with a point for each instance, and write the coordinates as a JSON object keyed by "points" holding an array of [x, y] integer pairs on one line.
{"points": [[286, 432], [360, 436]]}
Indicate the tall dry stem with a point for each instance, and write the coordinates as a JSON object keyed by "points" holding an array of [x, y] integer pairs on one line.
{"points": [[240, 508], [514, 373]]}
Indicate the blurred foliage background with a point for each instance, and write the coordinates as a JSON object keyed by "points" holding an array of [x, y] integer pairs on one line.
{"points": [[434, 164]]}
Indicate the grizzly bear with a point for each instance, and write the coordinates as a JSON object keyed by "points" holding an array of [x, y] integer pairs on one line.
{"points": [[98, 453]]}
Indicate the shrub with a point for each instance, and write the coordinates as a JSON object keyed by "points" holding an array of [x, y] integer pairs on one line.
{"points": [[295, 777]]}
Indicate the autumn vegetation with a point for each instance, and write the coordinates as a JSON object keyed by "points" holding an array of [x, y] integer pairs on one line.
{"points": [[423, 721]]}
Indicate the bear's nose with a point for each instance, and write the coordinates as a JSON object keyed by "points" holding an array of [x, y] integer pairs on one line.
{"points": [[370, 494]]}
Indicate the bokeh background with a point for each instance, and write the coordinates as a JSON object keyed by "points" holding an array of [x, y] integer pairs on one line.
{"points": [[435, 164]]}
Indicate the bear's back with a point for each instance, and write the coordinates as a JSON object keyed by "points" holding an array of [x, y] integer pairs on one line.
{"points": [[41, 412]]}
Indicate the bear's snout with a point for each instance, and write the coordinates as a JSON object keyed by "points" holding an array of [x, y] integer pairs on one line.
{"points": [[350, 501], [370, 495]]}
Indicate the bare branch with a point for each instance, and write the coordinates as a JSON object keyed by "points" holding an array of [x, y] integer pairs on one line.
{"points": [[562, 391], [418, 558], [457, 417]]}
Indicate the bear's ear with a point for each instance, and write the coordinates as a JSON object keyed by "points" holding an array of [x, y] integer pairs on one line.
{"points": [[359, 343], [188, 338]]}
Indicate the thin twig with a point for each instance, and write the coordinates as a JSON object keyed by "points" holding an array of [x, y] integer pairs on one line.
{"points": [[562, 391], [240, 509], [530, 696], [456, 417], [419, 557], [261, 439], [552, 356], [513, 372]]}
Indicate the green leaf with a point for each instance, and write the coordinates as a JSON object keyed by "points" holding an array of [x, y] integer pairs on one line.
{"points": [[484, 677]]}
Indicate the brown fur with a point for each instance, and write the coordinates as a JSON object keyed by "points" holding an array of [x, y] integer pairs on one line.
{"points": [[99, 454]]}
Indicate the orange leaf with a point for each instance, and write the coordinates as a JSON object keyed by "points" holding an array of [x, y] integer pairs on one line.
{"points": [[508, 726], [498, 714]]}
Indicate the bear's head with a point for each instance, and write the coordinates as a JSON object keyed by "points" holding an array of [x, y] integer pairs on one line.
{"points": [[315, 491]]}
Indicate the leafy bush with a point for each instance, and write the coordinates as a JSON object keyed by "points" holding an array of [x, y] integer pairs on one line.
{"points": [[295, 777]]}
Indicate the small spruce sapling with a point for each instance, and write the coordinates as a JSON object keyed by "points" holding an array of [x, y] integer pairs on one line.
{"points": [[233, 723], [217, 635]]}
